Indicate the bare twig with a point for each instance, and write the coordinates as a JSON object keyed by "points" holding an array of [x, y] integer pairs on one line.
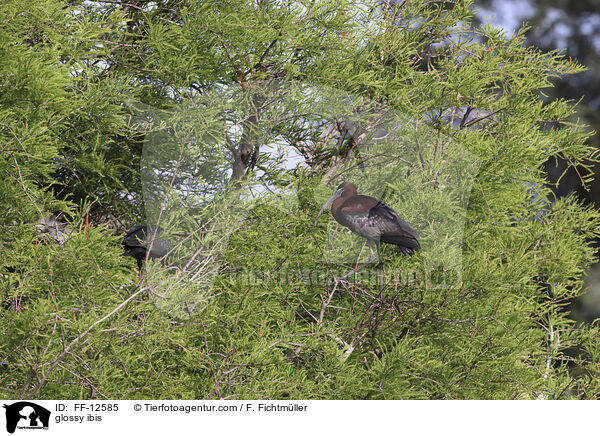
{"points": [[75, 341]]}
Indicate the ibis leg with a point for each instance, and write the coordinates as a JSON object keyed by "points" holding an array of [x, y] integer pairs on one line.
{"points": [[368, 262], [380, 272], [378, 253]]}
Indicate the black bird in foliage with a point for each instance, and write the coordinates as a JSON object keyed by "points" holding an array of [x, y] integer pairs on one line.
{"points": [[372, 219], [142, 242]]}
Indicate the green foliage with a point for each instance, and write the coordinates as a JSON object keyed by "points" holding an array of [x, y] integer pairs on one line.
{"points": [[79, 323]]}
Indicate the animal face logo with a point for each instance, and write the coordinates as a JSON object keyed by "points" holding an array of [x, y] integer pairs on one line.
{"points": [[24, 414]]}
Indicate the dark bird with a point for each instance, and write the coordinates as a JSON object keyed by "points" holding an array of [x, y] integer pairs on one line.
{"points": [[141, 242], [372, 219]]}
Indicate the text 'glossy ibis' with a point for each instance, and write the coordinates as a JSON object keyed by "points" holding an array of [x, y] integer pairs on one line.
{"points": [[372, 219]]}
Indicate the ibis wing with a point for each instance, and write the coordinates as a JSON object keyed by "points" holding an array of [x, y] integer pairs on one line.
{"points": [[390, 222], [364, 214]]}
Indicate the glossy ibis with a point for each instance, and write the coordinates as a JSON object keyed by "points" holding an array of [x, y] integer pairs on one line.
{"points": [[139, 238], [372, 219]]}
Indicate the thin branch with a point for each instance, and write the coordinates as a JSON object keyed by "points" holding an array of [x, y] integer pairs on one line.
{"points": [[79, 338]]}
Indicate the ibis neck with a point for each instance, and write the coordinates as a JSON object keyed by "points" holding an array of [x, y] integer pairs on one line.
{"points": [[336, 206]]}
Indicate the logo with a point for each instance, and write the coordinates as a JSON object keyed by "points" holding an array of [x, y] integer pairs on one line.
{"points": [[26, 415]]}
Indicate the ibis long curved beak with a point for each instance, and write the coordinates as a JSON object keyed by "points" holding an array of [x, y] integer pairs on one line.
{"points": [[334, 197]]}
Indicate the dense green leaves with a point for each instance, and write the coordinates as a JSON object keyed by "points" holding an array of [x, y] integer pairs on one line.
{"points": [[77, 321]]}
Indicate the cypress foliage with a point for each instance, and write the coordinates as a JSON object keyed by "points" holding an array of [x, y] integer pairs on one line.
{"points": [[79, 324]]}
